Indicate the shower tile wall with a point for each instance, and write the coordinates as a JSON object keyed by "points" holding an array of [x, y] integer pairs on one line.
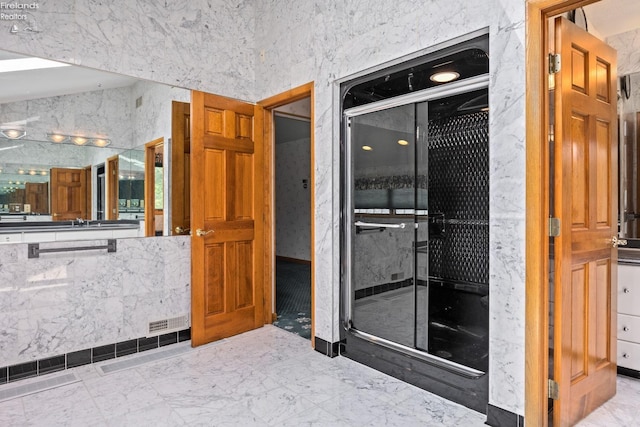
{"points": [[254, 58], [65, 302]]}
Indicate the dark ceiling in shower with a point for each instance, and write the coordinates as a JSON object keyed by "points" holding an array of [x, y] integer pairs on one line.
{"points": [[468, 59]]}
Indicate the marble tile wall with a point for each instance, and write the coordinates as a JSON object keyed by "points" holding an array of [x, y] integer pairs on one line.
{"points": [[326, 42], [293, 201], [628, 46], [252, 50], [64, 302], [105, 113]]}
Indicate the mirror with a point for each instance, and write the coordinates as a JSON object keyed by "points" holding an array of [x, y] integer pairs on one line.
{"points": [[629, 137], [62, 116]]}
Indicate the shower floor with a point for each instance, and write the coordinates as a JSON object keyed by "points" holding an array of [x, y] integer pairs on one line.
{"points": [[390, 315]]}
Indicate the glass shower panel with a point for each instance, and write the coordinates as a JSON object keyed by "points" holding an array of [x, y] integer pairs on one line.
{"points": [[382, 146]]}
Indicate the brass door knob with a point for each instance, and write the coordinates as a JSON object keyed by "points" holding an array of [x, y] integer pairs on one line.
{"points": [[615, 242], [180, 230], [200, 232]]}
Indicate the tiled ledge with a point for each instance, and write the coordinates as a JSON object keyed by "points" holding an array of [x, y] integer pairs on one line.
{"points": [[90, 355]]}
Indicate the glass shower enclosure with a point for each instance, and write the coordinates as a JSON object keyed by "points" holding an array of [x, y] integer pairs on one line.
{"points": [[415, 291]]}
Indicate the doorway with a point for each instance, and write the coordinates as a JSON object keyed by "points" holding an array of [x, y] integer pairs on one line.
{"points": [[154, 188], [564, 276], [292, 137], [288, 103]]}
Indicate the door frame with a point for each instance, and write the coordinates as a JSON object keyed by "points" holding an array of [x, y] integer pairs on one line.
{"points": [[269, 104], [150, 186], [538, 13]]}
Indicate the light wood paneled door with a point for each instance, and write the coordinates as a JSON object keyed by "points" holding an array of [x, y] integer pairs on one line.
{"points": [[68, 194], [37, 195], [585, 192], [226, 217], [113, 205], [180, 168]]}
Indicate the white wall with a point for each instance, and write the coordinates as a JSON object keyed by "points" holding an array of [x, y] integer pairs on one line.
{"points": [[293, 201], [252, 50]]}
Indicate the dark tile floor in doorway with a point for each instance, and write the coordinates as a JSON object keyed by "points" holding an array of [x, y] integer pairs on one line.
{"points": [[293, 298]]}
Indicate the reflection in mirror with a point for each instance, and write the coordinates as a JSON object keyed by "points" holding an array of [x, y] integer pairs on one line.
{"points": [[629, 110], [79, 119]]}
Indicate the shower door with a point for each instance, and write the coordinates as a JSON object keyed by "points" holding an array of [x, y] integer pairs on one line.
{"points": [[416, 209]]}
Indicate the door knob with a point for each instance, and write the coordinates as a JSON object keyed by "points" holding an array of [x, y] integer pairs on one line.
{"points": [[615, 242], [180, 230], [625, 355], [624, 328], [200, 232]]}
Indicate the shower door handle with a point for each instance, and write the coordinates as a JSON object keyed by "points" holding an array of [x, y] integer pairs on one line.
{"points": [[379, 225]]}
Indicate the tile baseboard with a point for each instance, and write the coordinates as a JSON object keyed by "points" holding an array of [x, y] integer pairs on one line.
{"points": [[498, 417], [87, 356], [326, 348]]}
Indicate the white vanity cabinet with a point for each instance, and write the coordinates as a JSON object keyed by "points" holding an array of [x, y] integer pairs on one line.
{"points": [[629, 316]]}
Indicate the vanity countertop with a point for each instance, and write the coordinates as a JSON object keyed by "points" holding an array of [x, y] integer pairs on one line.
{"points": [[53, 226]]}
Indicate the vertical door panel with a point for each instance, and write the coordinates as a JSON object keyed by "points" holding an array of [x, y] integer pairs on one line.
{"points": [[585, 191], [227, 262]]}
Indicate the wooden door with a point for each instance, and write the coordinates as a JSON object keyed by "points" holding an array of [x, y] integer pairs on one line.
{"points": [[68, 194], [226, 217], [586, 203], [37, 195], [113, 204], [180, 167]]}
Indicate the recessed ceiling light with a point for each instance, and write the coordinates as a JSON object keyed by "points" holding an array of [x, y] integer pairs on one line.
{"points": [[444, 76], [403, 142], [366, 148], [25, 64], [21, 171], [43, 173], [32, 172]]}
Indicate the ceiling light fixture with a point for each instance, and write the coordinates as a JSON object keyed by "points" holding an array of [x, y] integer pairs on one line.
{"points": [[32, 172], [56, 137], [403, 142], [13, 133], [21, 171], [100, 142], [79, 140], [366, 148], [444, 76], [43, 173]]}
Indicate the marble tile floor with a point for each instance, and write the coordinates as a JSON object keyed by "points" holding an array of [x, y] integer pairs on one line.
{"points": [[265, 377]]}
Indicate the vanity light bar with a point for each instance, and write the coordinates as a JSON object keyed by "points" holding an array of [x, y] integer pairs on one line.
{"points": [[60, 138], [13, 133]]}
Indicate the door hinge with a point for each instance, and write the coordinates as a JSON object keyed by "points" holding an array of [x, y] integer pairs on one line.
{"points": [[554, 390], [554, 227], [554, 63]]}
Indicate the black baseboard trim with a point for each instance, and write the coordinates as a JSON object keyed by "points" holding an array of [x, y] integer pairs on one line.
{"points": [[87, 356], [325, 347], [470, 392], [628, 372], [498, 417], [293, 260]]}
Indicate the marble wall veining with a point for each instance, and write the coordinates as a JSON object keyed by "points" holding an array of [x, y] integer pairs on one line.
{"points": [[65, 302], [628, 46], [101, 113], [252, 50], [326, 42]]}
